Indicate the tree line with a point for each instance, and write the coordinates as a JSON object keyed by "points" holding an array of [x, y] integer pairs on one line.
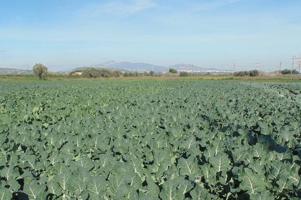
{"points": [[41, 71]]}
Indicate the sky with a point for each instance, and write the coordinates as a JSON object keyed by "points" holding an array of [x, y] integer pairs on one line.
{"points": [[232, 34]]}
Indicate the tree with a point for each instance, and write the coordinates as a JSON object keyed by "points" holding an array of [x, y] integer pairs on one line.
{"points": [[40, 71], [254, 73], [184, 74], [173, 71], [251, 73], [100, 73], [151, 73], [288, 71]]}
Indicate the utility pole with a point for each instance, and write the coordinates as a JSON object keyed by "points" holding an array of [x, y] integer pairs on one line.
{"points": [[293, 63], [234, 67], [299, 63], [280, 66]]}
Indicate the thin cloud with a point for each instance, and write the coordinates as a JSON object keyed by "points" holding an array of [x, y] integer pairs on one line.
{"points": [[214, 4], [118, 7]]}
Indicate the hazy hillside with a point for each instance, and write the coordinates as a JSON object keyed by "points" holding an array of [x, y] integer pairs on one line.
{"points": [[194, 68], [131, 66], [13, 71]]}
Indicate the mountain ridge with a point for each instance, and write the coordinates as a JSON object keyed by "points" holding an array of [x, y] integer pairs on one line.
{"points": [[125, 66], [14, 71]]}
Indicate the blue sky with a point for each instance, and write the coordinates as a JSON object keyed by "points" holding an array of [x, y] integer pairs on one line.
{"points": [[212, 33]]}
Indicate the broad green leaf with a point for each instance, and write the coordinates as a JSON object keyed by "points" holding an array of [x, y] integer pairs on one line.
{"points": [[5, 194], [252, 182], [35, 190], [175, 189], [188, 167]]}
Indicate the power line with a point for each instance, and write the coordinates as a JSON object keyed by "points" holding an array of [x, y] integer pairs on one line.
{"points": [[293, 63], [295, 60]]}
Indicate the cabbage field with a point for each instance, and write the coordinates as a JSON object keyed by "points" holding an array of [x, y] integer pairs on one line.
{"points": [[150, 140]]}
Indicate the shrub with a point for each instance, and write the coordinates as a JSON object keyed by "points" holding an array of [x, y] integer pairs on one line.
{"points": [[288, 71], [254, 73], [184, 74], [173, 71], [251, 73], [98, 73]]}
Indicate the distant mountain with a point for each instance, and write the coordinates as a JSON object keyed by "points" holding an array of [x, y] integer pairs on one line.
{"points": [[131, 66], [194, 68], [14, 71], [145, 67]]}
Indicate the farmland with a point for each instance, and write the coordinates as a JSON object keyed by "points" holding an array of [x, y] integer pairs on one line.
{"points": [[147, 139]]}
